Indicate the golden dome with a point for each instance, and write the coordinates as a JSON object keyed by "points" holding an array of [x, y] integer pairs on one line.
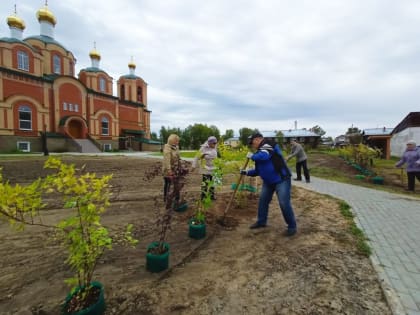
{"points": [[94, 54], [44, 14], [15, 21], [131, 64]]}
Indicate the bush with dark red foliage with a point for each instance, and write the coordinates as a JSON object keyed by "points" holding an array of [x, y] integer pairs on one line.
{"points": [[165, 207]]}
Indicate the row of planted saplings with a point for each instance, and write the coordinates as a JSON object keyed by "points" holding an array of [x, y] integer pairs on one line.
{"points": [[82, 234], [157, 256], [364, 172]]}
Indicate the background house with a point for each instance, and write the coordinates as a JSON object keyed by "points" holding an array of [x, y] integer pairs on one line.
{"points": [[340, 141], [379, 138], [232, 142], [303, 136], [326, 141], [407, 129]]}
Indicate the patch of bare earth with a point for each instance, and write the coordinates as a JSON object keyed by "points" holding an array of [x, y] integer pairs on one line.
{"points": [[233, 270]]}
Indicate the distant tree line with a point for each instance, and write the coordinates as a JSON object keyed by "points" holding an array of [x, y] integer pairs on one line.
{"points": [[195, 135]]}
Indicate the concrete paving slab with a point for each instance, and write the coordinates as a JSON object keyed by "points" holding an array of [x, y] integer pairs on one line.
{"points": [[391, 222]]}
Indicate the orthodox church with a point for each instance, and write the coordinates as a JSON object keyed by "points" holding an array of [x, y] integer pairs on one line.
{"points": [[45, 107]]}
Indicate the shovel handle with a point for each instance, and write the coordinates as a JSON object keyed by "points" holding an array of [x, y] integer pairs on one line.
{"points": [[236, 189]]}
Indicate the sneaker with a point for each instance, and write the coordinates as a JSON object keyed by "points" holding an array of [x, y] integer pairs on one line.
{"points": [[308, 181], [290, 232], [257, 225], [297, 179]]}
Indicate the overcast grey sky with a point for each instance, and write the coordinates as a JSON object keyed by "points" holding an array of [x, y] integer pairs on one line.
{"points": [[256, 64]]}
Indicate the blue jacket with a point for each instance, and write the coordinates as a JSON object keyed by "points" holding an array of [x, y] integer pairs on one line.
{"points": [[263, 164]]}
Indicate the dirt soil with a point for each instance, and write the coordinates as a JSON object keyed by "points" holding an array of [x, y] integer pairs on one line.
{"points": [[234, 270]]}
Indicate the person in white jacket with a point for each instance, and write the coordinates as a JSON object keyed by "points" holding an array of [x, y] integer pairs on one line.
{"points": [[204, 161]]}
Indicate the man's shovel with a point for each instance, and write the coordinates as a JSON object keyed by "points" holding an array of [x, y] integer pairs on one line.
{"points": [[222, 219]]}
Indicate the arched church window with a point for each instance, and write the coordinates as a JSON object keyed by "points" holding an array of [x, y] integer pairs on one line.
{"points": [[105, 126], [25, 118]]}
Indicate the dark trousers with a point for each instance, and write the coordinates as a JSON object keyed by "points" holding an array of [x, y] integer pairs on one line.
{"points": [[205, 182], [411, 176], [167, 190], [299, 166]]}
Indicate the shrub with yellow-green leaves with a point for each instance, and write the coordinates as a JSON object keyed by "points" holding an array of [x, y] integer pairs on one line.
{"points": [[81, 233]]}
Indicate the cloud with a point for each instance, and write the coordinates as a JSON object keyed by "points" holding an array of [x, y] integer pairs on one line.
{"points": [[256, 64]]}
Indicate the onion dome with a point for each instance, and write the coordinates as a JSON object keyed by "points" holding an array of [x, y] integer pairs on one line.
{"points": [[44, 14], [131, 64], [15, 21], [94, 54], [132, 68]]}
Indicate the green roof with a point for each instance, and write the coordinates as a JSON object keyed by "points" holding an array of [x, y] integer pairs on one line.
{"points": [[130, 76], [144, 140], [16, 41], [136, 132], [93, 69], [51, 77], [47, 40]]}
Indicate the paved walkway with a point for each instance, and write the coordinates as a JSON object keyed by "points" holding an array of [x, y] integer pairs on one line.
{"points": [[392, 224]]}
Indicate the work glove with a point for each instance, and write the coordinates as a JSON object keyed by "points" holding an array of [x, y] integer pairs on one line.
{"points": [[249, 155], [242, 172]]}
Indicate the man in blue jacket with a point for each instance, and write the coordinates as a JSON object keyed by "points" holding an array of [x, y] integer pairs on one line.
{"points": [[275, 179]]}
